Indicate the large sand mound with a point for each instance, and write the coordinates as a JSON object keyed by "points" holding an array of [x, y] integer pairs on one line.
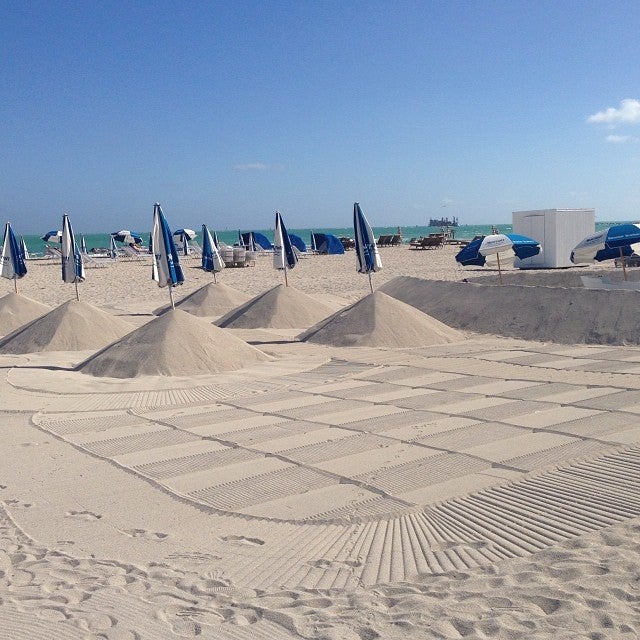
{"points": [[547, 314], [278, 308], [379, 320], [174, 344], [73, 326], [16, 311], [214, 299]]}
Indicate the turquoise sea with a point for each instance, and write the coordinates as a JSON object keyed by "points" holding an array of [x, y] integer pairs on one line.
{"points": [[36, 245]]}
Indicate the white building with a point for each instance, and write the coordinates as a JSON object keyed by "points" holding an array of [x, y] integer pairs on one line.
{"points": [[557, 230]]}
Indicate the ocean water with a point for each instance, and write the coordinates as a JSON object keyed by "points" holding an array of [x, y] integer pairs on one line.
{"points": [[36, 245]]}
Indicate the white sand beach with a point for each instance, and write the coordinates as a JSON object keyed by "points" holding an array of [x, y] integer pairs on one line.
{"points": [[474, 480]]}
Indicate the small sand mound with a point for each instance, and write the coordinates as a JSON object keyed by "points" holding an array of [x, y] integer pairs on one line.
{"points": [[214, 299], [173, 344], [279, 308], [379, 320], [16, 311], [73, 326]]}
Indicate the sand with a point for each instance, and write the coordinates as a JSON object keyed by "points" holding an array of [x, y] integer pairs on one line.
{"points": [[481, 488], [213, 299], [16, 311]]}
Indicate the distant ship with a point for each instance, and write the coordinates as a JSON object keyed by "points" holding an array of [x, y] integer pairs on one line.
{"points": [[443, 222]]}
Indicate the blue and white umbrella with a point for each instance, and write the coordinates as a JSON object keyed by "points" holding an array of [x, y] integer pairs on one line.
{"points": [[72, 265], [52, 236], [216, 242], [166, 270], [368, 258], [614, 242], [83, 245], [13, 266], [284, 257], [23, 249], [211, 260], [127, 237], [184, 235], [113, 249], [512, 244]]}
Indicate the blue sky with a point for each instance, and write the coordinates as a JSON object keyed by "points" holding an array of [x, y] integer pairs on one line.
{"points": [[227, 111]]}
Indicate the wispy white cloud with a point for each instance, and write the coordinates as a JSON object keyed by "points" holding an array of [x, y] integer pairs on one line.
{"points": [[628, 113], [620, 139]]}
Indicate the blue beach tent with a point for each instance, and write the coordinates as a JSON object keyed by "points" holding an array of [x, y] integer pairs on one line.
{"points": [[327, 243], [298, 242], [259, 239]]}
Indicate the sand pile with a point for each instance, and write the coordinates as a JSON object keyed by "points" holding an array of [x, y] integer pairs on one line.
{"points": [[214, 299], [546, 314], [16, 311], [278, 308], [73, 326], [174, 344], [378, 320]]}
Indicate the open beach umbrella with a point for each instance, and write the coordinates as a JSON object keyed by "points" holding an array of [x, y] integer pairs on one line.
{"points": [[166, 270], [184, 235], [284, 256], [614, 242], [52, 236], [367, 256], [128, 237], [72, 265], [83, 245], [13, 266], [511, 244], [211, 260], [113, 249]]}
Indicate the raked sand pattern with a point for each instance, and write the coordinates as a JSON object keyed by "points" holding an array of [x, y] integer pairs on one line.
{"points": [[484, 488]]}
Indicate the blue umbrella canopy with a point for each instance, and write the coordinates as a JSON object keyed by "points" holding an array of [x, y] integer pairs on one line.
{"points": [[607, 244], [476, 252], [284, 256], [72, 265], [166, 270], [13, 265], [128, 237], [211, 260], [52, 236], [367, 256]]}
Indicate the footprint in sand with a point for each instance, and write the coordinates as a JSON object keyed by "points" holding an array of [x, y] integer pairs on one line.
{"points": [[84, 515], [242, 540], [143, 533], [18, 504]]}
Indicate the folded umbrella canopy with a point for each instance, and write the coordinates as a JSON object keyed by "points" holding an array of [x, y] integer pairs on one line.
{"points": [[13, 266], [511, 244], [128, 237], [72, 265], [184, 235], [284, 256], [211, 260], [614, 242], [367, 255], [166, 270]]}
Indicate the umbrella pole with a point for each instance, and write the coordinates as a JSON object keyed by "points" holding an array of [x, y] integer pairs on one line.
{"points": [[499, 269], [173, 306], [286, 282], [624, 266], [214, 278], [15, 283], [77, 292], [370, 283]]}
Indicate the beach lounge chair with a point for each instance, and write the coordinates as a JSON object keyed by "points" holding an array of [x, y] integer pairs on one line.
{"points": [[133, 254]]}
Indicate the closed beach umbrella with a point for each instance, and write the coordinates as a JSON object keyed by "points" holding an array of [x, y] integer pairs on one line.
{"points": [[367, 256], [23, 249], [72, 265], [13, 266], [614, 242], [83, 245], [216, 242], [510, 244], [211, 260], [113, 249], [284, 256], [52, 236], [127, 236], [166, 270]]}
